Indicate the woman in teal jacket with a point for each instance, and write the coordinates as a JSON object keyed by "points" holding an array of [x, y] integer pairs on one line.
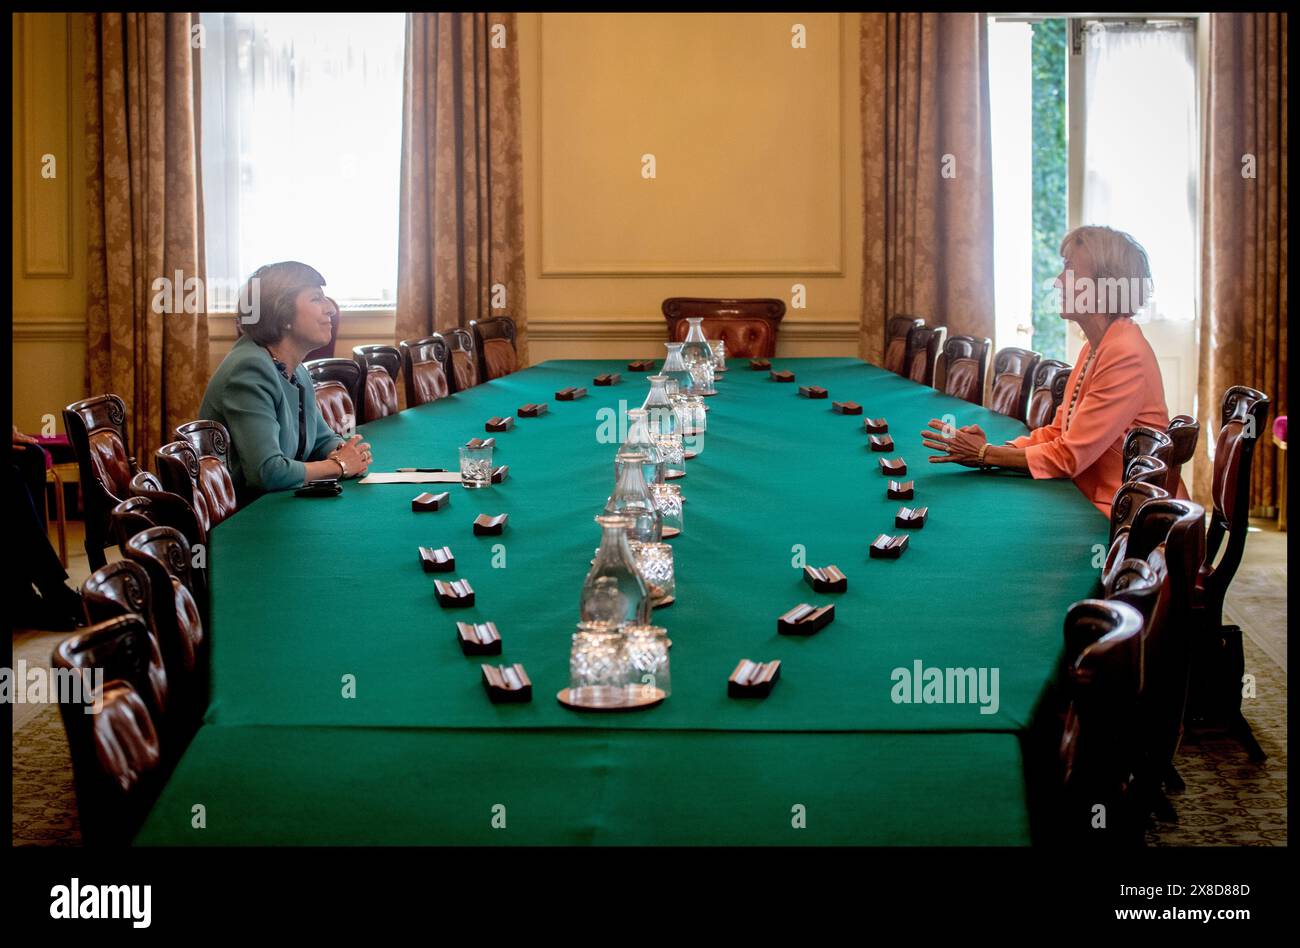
{"points": [[263, 395]]}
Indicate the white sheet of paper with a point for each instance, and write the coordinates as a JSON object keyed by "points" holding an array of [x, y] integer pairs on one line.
{"points": [[392, 477]]}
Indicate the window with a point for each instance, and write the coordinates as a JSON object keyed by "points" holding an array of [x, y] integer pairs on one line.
{"points": [[1125, 89], [302, 132]]}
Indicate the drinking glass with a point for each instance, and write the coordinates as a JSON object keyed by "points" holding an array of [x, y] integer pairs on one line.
{"points": [[718, 347], [668, 498], [694, 422], [646, 658], [476, 466], [598, 667], [655, 562]]}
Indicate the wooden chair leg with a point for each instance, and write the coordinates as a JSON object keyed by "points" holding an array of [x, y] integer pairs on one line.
{"points": [[61, 516]]}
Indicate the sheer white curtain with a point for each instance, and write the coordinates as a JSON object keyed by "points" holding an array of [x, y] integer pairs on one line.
{"points": [[1140, 165], [302, 133]]}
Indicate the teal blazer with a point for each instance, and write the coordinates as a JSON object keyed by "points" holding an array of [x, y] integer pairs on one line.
{"points": [[259, 407]]}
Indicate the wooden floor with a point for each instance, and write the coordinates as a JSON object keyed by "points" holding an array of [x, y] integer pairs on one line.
{"points": [[1228, 800]]}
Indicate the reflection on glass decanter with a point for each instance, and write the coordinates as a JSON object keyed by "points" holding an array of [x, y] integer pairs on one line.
{"points": [[614, 593], [632, 499], [698, 358]]}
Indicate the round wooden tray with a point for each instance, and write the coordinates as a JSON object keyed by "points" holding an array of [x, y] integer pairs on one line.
{"points": [[608, 698], [668, 601], [673, 475], [675, 532]]}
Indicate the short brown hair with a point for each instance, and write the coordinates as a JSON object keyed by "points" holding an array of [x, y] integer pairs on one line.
{"points": [[267, 301]]}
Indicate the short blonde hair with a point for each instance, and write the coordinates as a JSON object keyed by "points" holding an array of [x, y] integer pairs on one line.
{"points": [[1116, 256]]}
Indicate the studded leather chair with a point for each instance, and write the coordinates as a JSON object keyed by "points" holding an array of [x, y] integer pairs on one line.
{"points": [[1013, 373], [1046, 392], [380, 366], [165, 556], [211, 443], [97, 430], [1184, 432], [465, 372], [924, 344], [426, 368], [897, 331], [965, 366], [747, 327], [497, 345], [340, 402]]}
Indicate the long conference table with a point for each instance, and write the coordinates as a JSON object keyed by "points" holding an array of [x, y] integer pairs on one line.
{"points": [[306, 592]]}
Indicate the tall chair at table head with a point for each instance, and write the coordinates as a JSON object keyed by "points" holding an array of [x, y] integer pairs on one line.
{"points": [[426, 368], [897, 332], [380, 365], [1013, 373], [965, 365], [97, 431], [747, 327]]}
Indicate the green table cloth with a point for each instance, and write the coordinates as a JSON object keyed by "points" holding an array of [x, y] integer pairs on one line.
{"points": [[306, 593]]}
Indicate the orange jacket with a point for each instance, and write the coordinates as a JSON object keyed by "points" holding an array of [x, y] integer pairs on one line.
{"points": [[1121, 390]]}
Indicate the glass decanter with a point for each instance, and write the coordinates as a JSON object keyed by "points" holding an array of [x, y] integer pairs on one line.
{"points": [[675, 367], [698, 358], [641, 441], [614, 593], [632, 499], [665, 425]]}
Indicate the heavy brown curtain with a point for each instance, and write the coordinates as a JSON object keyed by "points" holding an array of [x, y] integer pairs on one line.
{"points": [[1243, 253], [927, 157], [461, 214], [145, 220]]}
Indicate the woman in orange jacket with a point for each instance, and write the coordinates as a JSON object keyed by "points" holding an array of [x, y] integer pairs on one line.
{"points": [[1115, 384]]}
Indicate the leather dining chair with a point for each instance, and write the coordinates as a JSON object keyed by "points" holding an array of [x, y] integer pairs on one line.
{"points": [[117, 763], [96, 428], [965, 366], [122, 589], [1101, 749], [1184, 433], [464, 359], [1013, 372], [380, 365], [178, 469], [747, 327], [211, 444], [922, 355], [163, 507], [897, 332], [165, 556], [1149, 441], [497, 345], [339, 390], [1149, 469], [1046, 392], [426, 369], [1218, 663], [1123, 509]]}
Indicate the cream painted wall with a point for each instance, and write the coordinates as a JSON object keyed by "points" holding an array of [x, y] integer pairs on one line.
{"points": [[49, 220], [744, 129]]}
